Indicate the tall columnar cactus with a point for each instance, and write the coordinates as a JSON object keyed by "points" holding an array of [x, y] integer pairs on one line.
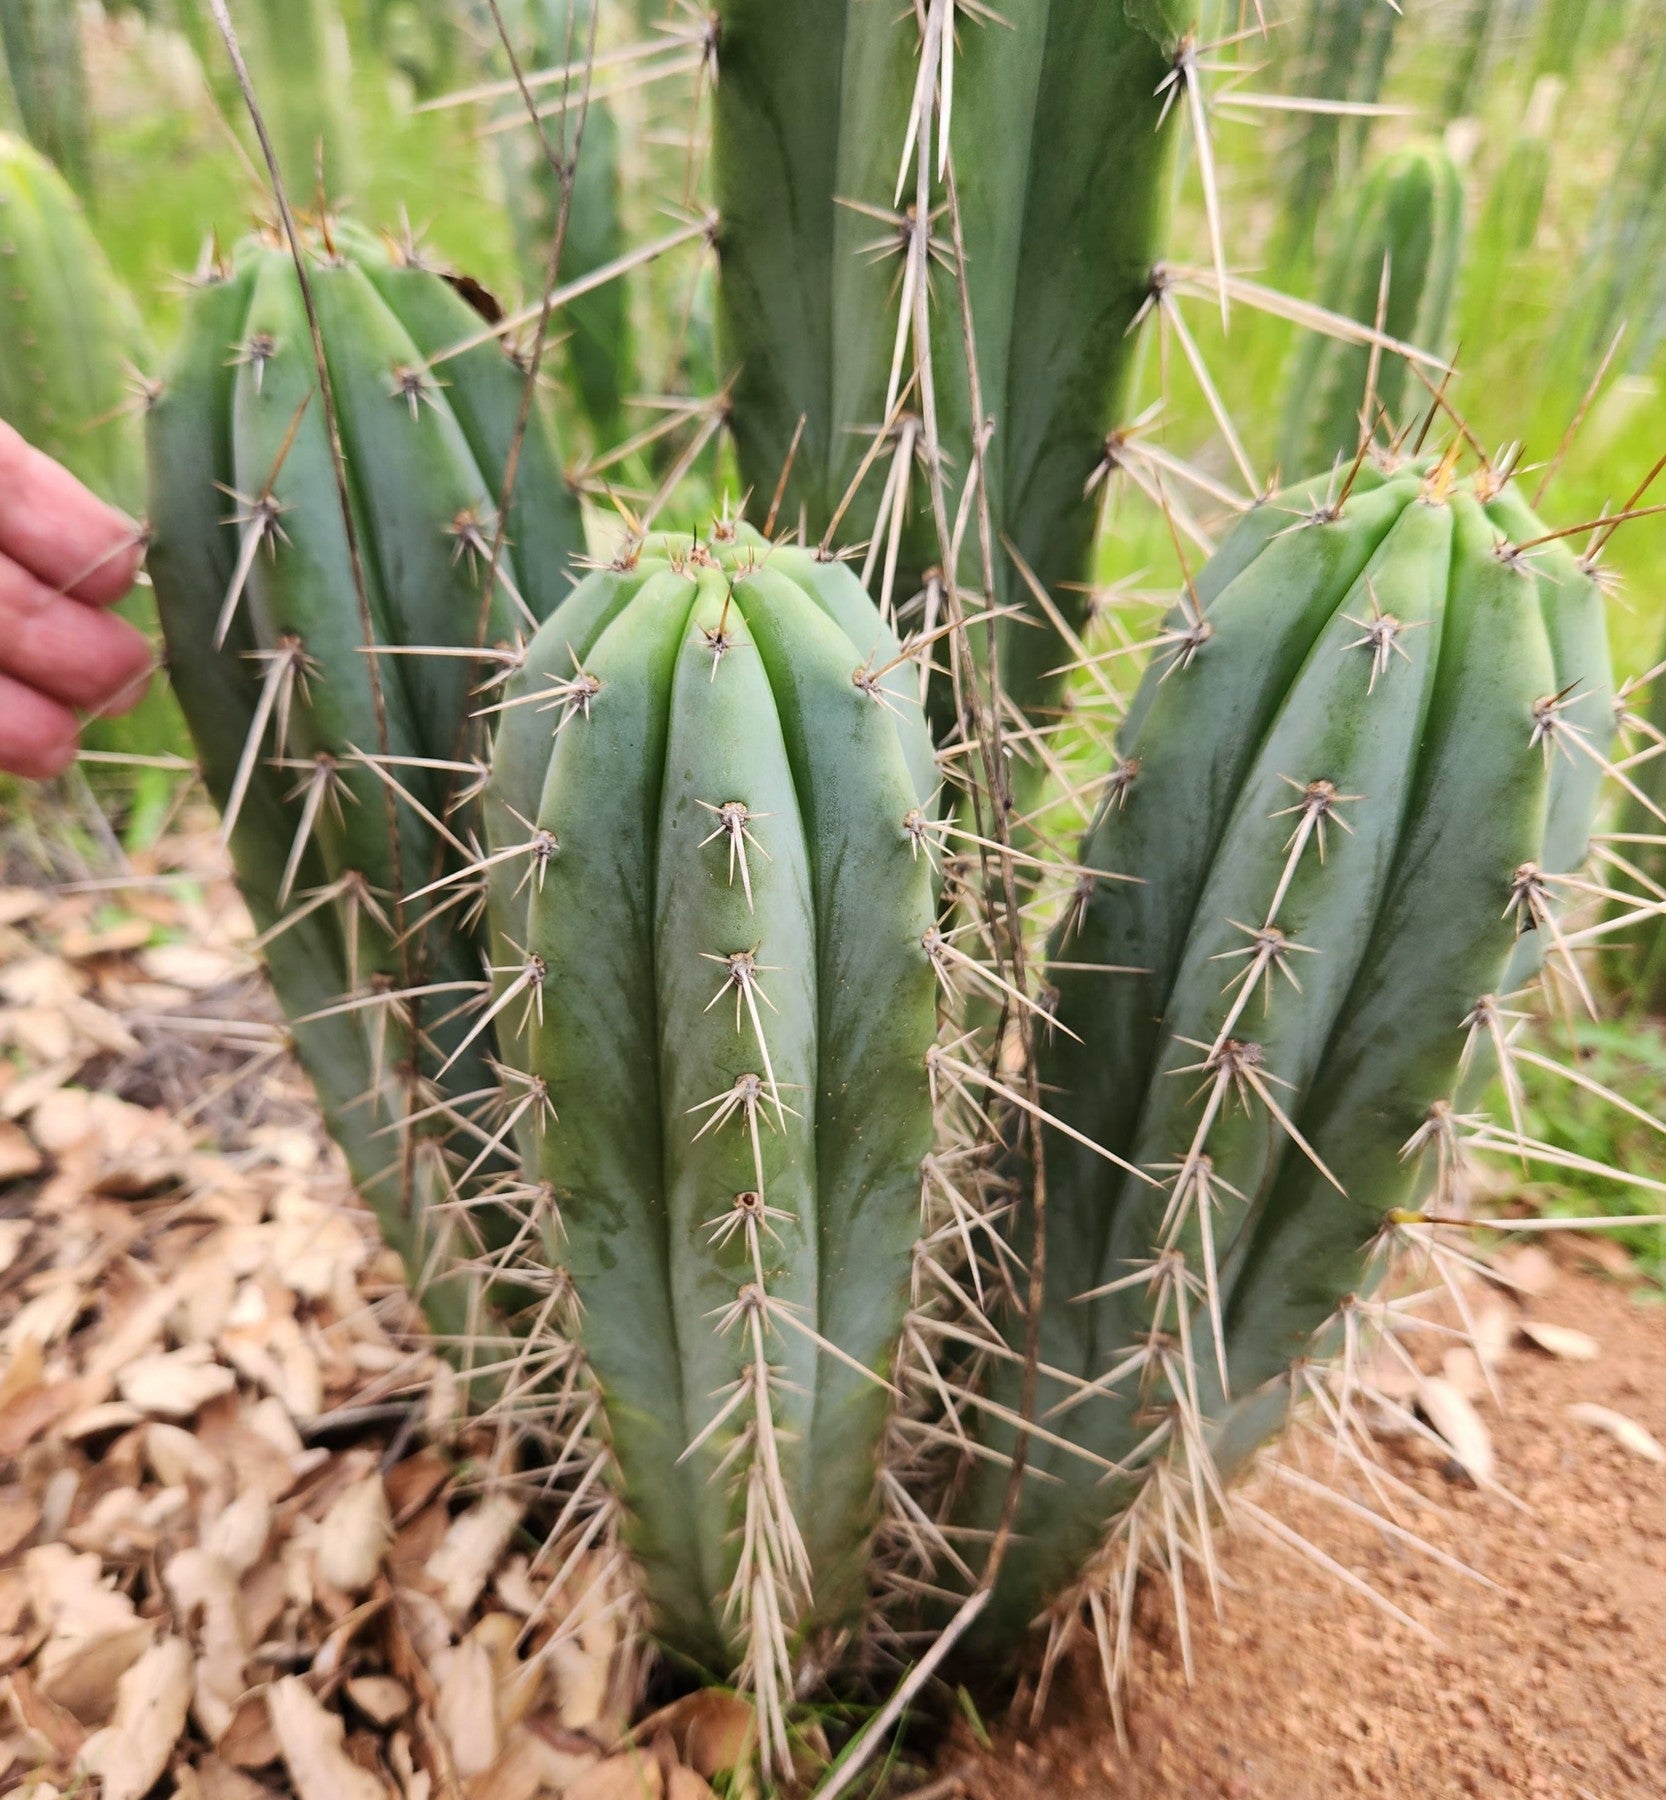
{"points": [[597, 344], [297, 52], [72, 356], [40, 45], [1060, 120], [1345, 51], [1624, 274], [333, 682], [419, 38], [1468, 57], [1515, 201], [1348, 781], [713, 919], [1406, 229], [72, 348], [1635, 963]]}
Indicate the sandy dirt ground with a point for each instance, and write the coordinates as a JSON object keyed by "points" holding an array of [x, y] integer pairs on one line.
{"points": [[1550, 1681]]}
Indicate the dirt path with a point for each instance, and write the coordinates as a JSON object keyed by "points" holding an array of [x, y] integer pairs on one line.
{"points": [[1552, 1683]]}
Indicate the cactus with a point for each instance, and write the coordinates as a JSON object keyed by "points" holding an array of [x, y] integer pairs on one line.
{"points": [[40, 45], [596, 326], [1636, 963], [712, 914], [419, 38], [1469, 57], [814, 239], [343, 767], [72, 351], [71, 343], [1406, 226], [298, 54], [1622, 280], [1515, 203], [1347, 44], [1338, 774]]}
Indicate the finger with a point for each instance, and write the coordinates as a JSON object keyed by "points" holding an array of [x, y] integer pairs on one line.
{"points": [[58, 531], [70, 652], [37, 735]]}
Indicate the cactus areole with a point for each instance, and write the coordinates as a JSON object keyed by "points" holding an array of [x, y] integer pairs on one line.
{"points": [[1349, 783], [711, 916]]}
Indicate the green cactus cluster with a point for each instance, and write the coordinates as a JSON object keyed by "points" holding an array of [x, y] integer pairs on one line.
{"points": [[928, 1216]]}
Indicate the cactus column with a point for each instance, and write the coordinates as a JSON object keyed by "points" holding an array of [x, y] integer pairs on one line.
{"points": [[72, 356], [710, 913], [1399, 254], [332, 682], [1338, 794], [1059, 139]]}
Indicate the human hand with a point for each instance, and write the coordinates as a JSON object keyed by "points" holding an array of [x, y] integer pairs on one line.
{"points": [[64, 558]]}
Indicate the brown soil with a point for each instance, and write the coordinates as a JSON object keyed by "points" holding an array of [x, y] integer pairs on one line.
{"points": [[1552, 1682]]}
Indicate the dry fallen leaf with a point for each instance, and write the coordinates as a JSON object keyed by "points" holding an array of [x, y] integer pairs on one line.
{"points": [[313, 1245], [474, 1545], [1454, 1417], [14, 1234], [1561, 1340], [1465, 1370], [190, 966], [1492, 1328], [310, 1739], [239, 1534], [634, 1777], [93, 1633], [174, 1384], [19, 1515], [380, 1698], [465, 1708], [46, 1318], [220, 1781], [1627, 1432], [58, 1732], [714, 1730], [18, 1155], [1529, 1268], [176, 1457], [152, 1699], [354, 1536], [518, 1773], [20, 903], [204, 1593]]}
